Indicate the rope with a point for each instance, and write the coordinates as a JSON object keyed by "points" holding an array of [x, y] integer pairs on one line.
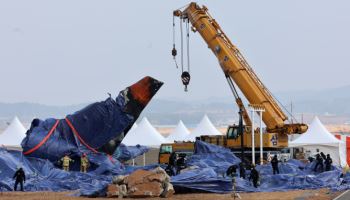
{"points": [[292, 116], [78, 136], [44, 140], [82, 141], [174, 49]]}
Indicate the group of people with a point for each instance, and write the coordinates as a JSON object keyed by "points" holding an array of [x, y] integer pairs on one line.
{"points": [[20, 177], [323, 162], [177, 162], [254, 174], [84, 162]]}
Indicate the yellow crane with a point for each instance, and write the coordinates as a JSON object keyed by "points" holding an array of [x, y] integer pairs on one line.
{"points": [[237, 70]]}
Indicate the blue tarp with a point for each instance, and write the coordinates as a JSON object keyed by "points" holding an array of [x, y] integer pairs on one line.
{"points": [[212, 156], [43, 175], [96, 130], [213, 161], [100, 126], [124, 153]]}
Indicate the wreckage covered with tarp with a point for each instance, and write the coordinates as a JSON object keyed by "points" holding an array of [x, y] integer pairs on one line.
{"points": [[124, 153], [207, 166], [204, 174], [43, 175], [97, 128]]}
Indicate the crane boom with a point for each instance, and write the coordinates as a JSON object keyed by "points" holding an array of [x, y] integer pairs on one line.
{"points": [[235, 66]]}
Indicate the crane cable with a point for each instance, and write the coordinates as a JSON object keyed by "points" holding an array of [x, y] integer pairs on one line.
{"points": [[291, 114], [185, 75], [182, 46], [174, 51]]}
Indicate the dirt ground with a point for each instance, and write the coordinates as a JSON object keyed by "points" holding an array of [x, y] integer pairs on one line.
{"points": [[322, 194]]}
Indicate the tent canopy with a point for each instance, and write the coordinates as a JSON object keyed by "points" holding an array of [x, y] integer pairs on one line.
{"points": [[318, 139], [145, 134], [13, 134], [179, 133], [317, 134], [205, 127]]}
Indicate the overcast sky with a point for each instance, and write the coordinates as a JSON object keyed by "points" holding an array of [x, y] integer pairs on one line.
{"points": [[68, 52]]}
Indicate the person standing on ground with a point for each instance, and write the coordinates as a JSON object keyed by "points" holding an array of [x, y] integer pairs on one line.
{"points": [[172, 162], [180, 163], [66, 160], [319, 163], [328, 162], [274, 163], [254, 175], [20, 178], [241, 170], [84, 163]]}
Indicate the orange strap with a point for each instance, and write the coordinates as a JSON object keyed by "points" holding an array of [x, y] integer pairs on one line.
{"points": [[82, 141], [77, 134], [44, 140]]}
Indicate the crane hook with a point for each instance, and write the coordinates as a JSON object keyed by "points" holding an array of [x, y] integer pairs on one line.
{"points": [[185, 77]]}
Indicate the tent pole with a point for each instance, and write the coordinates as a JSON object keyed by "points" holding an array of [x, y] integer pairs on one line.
{"points": [[253, 142], [261, 139]]}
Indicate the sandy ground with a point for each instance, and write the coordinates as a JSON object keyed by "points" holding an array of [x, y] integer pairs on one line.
{"points": [[322, 194]]}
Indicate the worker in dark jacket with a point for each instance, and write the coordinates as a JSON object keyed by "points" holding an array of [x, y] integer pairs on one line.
{"points": [[241, 170], [274, 163], [319, 163], [172, 159], [180, 163], [254, 175], [328, 162], [172, 163], [20, 178], [231, 171]]}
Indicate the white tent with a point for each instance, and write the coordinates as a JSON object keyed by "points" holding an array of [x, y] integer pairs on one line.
{"points": [[144, 134], [13, 134], [180, 133], [318, 139], [205, 127]]}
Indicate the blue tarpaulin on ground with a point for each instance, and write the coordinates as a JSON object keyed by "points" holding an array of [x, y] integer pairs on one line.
{"points": [[125, 153], [213, 161], [43, 175], [212, 156]]}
